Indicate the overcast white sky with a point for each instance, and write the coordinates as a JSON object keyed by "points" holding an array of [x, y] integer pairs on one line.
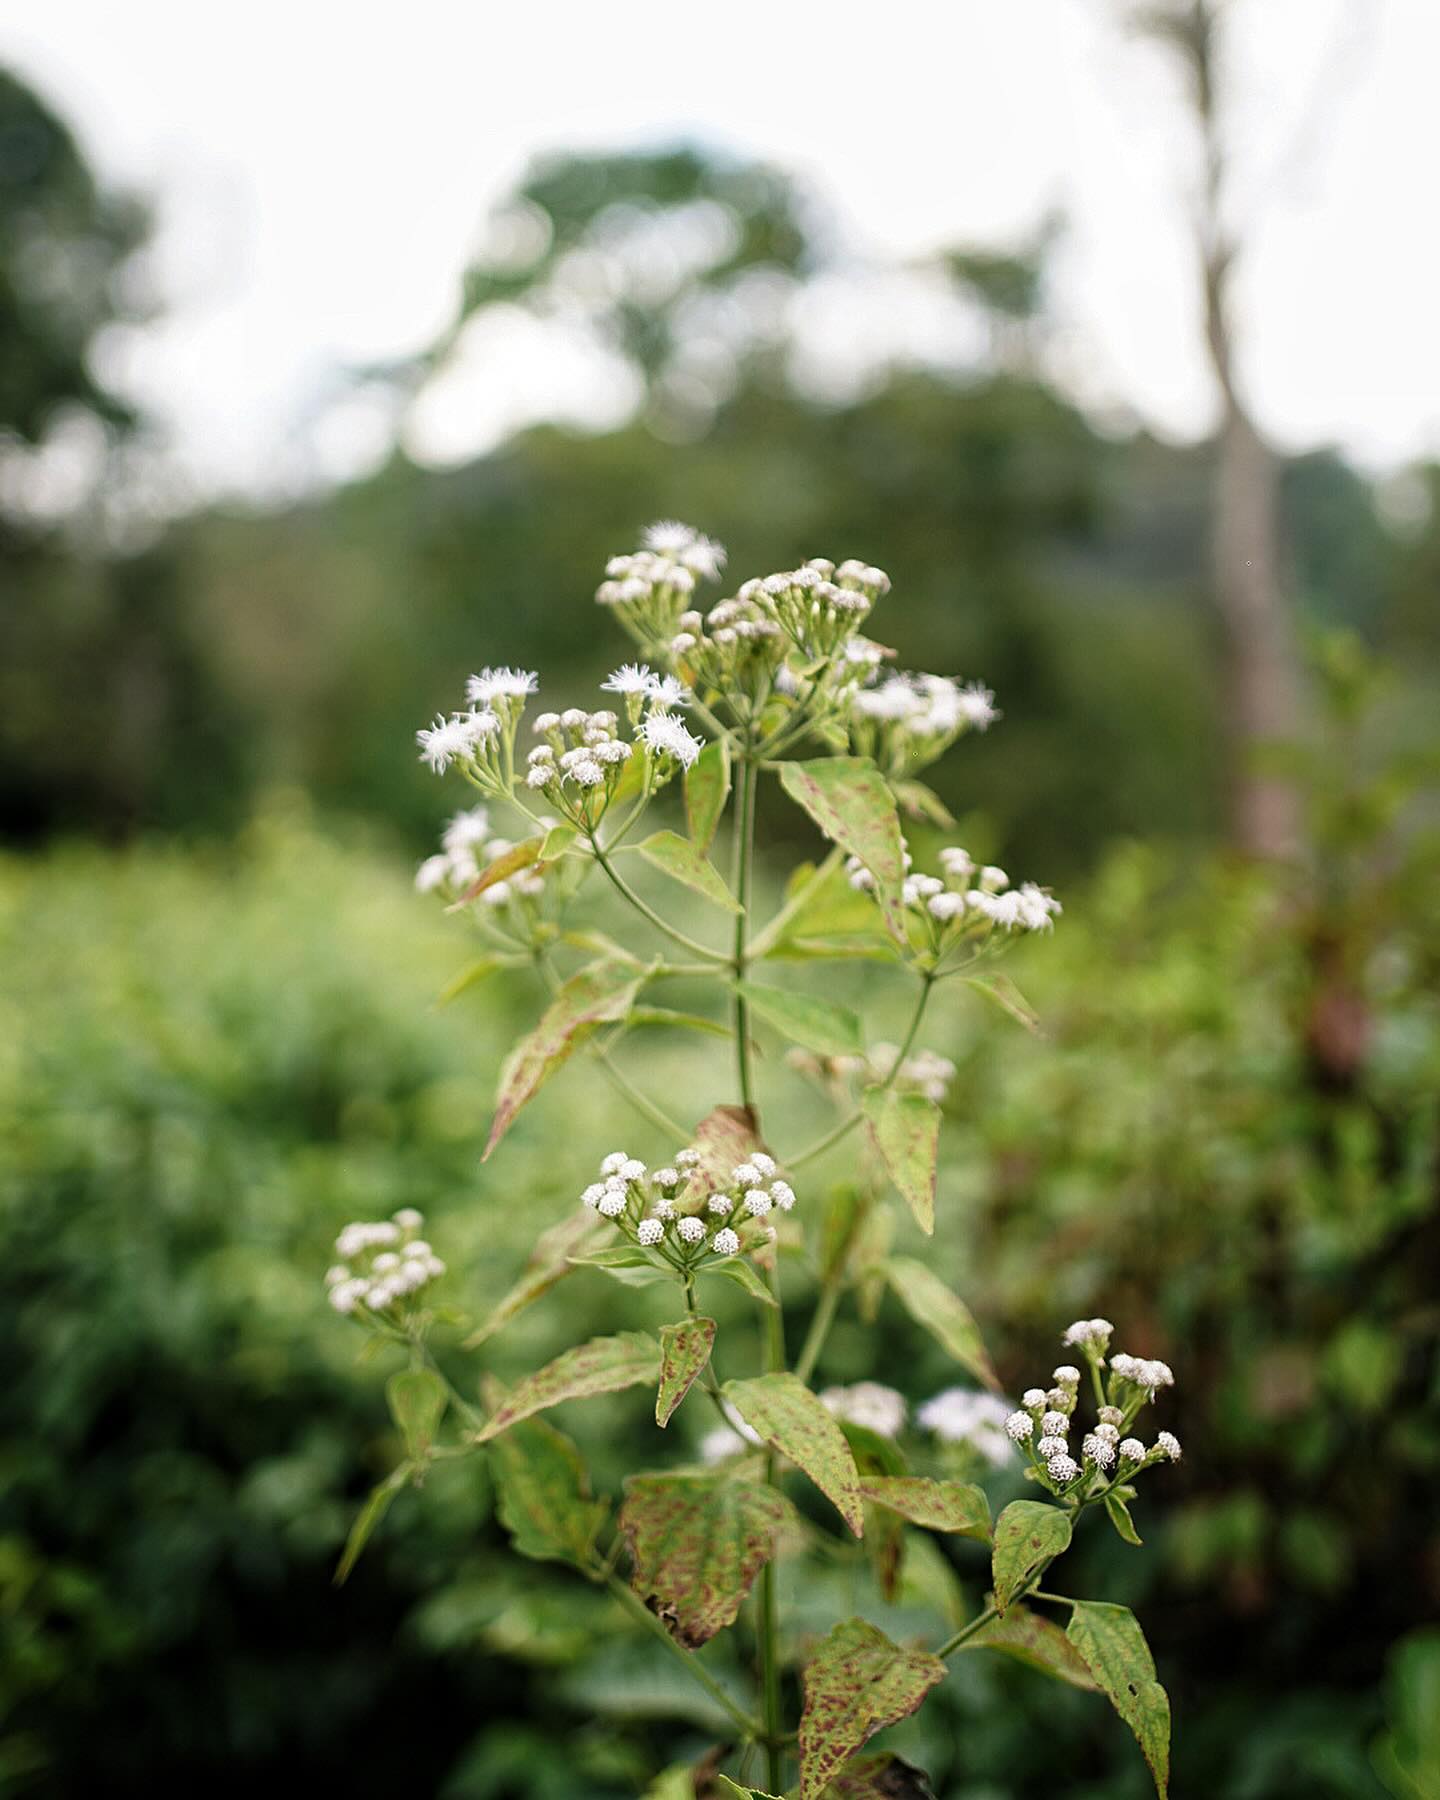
{"points": [[321, 169]]}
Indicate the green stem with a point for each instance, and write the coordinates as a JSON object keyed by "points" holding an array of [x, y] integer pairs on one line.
{"points": [[848, 1124], [623, 887], [744, 827], [819, 1328], [963, 1636], [643, 1616]]}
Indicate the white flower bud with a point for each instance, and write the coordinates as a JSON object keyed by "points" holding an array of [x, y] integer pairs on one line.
{"points": [[745, 1175], [1132, 1450], [1098, 1451], [765, 1164], [650, 1231], [1111, 1415], [691, 1229], [1019, 1426], [612, 1202], [594, 1194], [1067, 1375], [757, 1203], [408, 1219], [334, 1276], [385, 1262], [725, 1243], [666, 1178], [1105, 1431], [664, 1208], [1034, 1398], [614, 1162], [632, 1169], [782, 1194], [1061, 1399], [1055, 1424], [1168, 1445], [1052, 1446], [1063, 1470], [720, 1203], [686, 1159], [545, 721]]}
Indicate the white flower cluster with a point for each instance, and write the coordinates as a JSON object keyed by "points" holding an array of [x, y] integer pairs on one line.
{"points": [[648, 588], [869, 1404], [681, 1216], [482, 739], [966, 1416], [1107, 1454], [582, 756], [384, 1264], [467, 849], [906, 721], [968, 900]]}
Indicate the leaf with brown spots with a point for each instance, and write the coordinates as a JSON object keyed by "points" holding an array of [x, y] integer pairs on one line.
{"points": [[684, 1352], [603, 1366], [1113, 1647], [791, 1420], [905, 1129], [723, 1138], [879, 1777], [1036, 1641], [697, 1543], [543, 1494], [1029, 1535], [850, 801], [856, 1683], [956, 1506]]}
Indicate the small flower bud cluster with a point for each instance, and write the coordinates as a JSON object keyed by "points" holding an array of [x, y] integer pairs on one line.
{"points": [[869, 1404], [384, 1264], [733, 646], [578, 761], [674, 1213], [968, 903], [1044, 1420], [818, 606], [649, 588], [467, 849]]}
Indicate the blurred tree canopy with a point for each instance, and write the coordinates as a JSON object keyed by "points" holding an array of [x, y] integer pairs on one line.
{"points": [[1063, 564]]}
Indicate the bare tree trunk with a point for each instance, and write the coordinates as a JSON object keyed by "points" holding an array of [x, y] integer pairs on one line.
{"points": [[1262, 672]]}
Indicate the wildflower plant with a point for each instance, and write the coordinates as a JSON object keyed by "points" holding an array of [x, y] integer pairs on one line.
{"points": [[780, 680]]}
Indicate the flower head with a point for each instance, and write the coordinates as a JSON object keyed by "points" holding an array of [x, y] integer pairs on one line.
{"points": [[664, 735]]}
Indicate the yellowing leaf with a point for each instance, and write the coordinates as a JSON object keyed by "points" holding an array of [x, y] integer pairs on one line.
{"points": [[783, 1411], [600, 994], [1002, 992], [1029, 1535], [603, 1366], [377, 1504], [1113, 1648], [849, 800], [856, 1683], [707, 788], [943, 1314], [1034, 1640], [723, 1138], [552, 1258], [472, 975], [956, 1506], [905, 1129], [684, 1352], [819, 1025], [520, 856], [697, 1543], [678, 858]]}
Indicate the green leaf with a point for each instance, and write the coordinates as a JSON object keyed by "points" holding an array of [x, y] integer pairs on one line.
{"points": [[849, 800], [1113, 1648], [557, 841], [956, 1506], [943, 1314], [1118, 1513], [920, 802], [856, 1683], [697, 1543], [663, 1016], [678, 858], [684, 1351], [783, 1411], [707, 788], [675, 1783], [823, 916], [874, 1454], [743, 1274], [819, 1025], [1002, 992], [376, 1506], [603, 1366], [879, 1777], [417, 1404], [727, 1786], [617, 1256], [1036, 1641], [595, 943], [599, 994], [472, 975], [1029, 1535], [550, 1261], [518, 857], [905, 1129], [543, 1494]]}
